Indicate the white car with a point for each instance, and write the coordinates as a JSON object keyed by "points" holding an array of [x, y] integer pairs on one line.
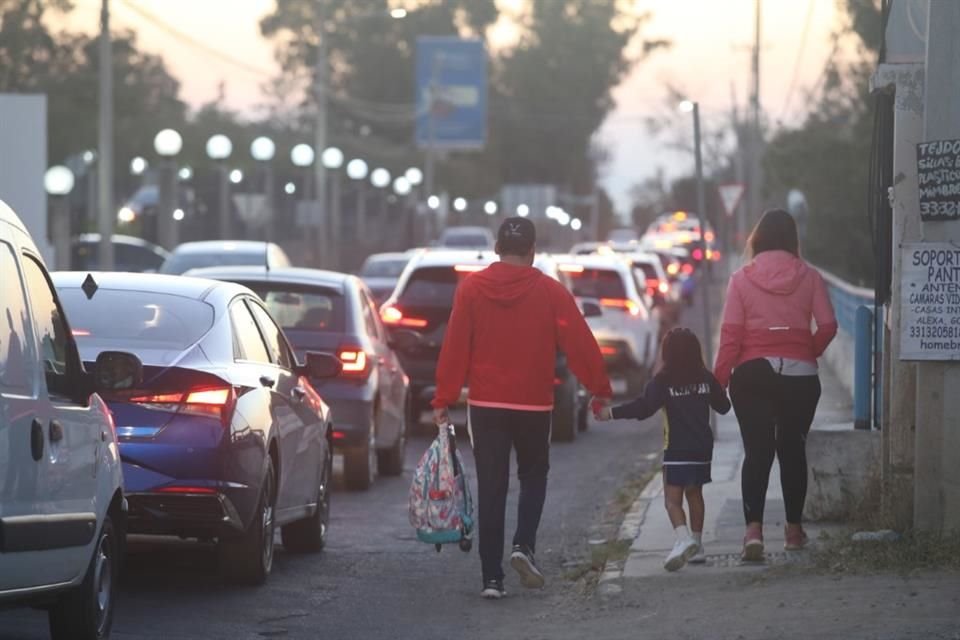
{"points": [[479, 238], [62, 510], [628, 330]]}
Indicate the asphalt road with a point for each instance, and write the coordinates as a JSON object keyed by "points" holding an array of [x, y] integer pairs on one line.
{"points": [[375, 580]]}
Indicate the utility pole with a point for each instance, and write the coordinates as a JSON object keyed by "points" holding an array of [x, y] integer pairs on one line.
{"points": [[937, 462], [327, 248], [429, 166], [756, 138], [105, 144], [702, 213]]}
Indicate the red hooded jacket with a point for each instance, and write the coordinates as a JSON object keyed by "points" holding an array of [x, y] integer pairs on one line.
{"points": [[505, 328]]}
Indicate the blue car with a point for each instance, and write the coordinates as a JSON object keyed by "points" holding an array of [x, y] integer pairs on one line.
{"points": [[224, 437]]}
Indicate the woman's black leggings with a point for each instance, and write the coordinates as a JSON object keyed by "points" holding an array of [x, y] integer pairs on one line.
{"points": [[775, 413]]}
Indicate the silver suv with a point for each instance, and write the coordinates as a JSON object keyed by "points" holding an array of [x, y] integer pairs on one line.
{"points": [[61, 500]]}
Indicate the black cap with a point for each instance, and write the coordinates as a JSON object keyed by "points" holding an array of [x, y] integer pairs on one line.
{"points": [[516, 237]]}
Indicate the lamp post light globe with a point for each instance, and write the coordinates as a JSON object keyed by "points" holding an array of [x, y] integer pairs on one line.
{"points": [[219, 147], [576, 224], [523, 210], [138, 166], [414, 176], [332, 158], [402, 186], [398, 14], [357, 169], [167, 143], [185, 173], [302, 155], [490, 208], [236, 176], [290, 188], [460, 204], [89, 156], [433, 202], [58, 180], [686, 106], [263, 149], [380, 178]]}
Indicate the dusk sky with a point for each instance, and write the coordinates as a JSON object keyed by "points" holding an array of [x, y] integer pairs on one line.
{"points": [[709, 59]]}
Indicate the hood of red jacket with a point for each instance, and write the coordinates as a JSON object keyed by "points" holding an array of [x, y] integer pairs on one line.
{"points": [[505, 283], [777, 272]]}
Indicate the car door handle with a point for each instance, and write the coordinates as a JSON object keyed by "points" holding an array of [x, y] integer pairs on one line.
{"points": [[56, 431], [267, 381], [36, 439], [298, 393]]}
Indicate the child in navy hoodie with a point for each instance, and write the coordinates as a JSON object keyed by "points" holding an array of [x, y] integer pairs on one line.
{"points": [[686, 390]]}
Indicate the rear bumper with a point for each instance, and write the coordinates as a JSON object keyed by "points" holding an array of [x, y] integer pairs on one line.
{"points": [[351, 410], [187, 514]]}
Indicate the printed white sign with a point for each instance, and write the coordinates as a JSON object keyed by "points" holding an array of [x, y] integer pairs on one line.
{"points": [[930, 301]]}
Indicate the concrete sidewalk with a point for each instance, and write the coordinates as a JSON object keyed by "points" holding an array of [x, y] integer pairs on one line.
{"points": [[648, 526]]}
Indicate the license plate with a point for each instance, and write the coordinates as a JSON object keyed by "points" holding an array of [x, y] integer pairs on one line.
{"points": [[619, 387]]}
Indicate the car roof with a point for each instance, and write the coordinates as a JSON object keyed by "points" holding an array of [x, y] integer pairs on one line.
{"points": [[223, 246], [197, 288], [598, 261], [453, 257], [376, 257], [466, 229], [285, 275], [9, 216], [119, 238]]}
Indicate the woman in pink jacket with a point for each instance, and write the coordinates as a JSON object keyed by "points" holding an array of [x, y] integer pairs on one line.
{"points": [[766, 342]]}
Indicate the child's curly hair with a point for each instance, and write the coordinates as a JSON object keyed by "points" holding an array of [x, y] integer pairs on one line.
{"points": [[682, 357]]}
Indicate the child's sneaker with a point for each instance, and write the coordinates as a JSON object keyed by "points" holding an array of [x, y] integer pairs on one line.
{"points": [[699, 557], [682, 551], [753, 545]]}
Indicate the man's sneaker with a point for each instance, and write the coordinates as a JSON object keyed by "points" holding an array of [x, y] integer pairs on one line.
{"points": [[493, 590], [522, 562], [699, 557], [753, 545], [683, 550], [795, 538]]}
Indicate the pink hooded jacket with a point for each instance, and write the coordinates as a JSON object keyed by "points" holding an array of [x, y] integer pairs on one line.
{"points": [[768, 311]]}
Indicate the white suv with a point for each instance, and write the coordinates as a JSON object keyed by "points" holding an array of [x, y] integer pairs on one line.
{"points": [[61, 502]]}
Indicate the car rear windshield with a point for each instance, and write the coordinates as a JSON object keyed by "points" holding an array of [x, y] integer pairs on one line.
{"points": [[385, 268], [647, 270], [598, 283], [466, 240], [305, 308], [181, 263], [157, 327], [431, 287]]}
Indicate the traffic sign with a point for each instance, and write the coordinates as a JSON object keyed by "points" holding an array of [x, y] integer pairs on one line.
{"points": [[730, 195]]}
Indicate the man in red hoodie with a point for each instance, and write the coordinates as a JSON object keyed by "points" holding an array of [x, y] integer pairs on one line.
{"points": [[505, 328]]}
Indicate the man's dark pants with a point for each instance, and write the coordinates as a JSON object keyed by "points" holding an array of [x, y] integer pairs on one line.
{"points": [[495, 432]]}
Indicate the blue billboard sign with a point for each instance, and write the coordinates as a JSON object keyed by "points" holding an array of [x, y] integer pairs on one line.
{"points": [[451, 93]]}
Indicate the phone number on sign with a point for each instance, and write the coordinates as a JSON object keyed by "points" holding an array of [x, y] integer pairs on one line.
{"points": [[939, 208], [935, 332]]}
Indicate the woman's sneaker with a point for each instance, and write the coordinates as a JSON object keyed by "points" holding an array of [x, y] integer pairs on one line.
{"points": [[795, 538], [522, 562], [752, 545], [493, 590], [682, 551]]}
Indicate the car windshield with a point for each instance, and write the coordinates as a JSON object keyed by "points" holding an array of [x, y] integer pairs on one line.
{"points": [[182, 262], [305, 308], [157, 327], [598, 283], [432, 287], [383, 268], [466, 240]]}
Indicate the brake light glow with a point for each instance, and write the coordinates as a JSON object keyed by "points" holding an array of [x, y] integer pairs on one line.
{"points": [[709, 236], [571, 268], [663, 287], [621, 303], [673, 268], [557, 382], [698, 254], [211, 403], [469, 268], [355, 362], [395, 317], [339, 435], [653, 284], [80, 333], [608, 351], [687, 268], [217, 397]]}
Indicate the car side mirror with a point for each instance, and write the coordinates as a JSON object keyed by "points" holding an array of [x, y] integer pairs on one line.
{"points": [[591, 310], [404, 339], [321, 365], [117, 371]]}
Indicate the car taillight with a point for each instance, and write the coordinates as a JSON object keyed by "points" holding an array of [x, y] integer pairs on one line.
{"points": [[356, 362], [621, 303], [394, 317], [698, 254], [653, 284], [212, 402], [673, 268], [687, 268], [608, 350], [663, 287]]}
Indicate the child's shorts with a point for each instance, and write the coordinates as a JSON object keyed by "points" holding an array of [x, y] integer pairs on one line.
{"points": [[686, 475]]}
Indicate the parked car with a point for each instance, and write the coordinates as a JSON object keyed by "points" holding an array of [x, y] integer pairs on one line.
{"points": [[62, 509], [381, 271], [129, 254], [224, 438], [335, 312], [421, 306], [222, 253], [628, 329], [467, 238]]}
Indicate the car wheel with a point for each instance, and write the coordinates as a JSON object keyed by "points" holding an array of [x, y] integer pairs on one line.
{"points": [[310, 534], [583, 421], [564, 426], [360, 463], [390, 461], [249, 558], [86, 613]]}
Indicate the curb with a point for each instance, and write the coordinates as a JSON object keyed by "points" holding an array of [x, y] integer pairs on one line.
{"points": [[629, 531]]}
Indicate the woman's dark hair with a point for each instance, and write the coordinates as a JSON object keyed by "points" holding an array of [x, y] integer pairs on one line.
{"points": [[682, 358], [776, 231]]}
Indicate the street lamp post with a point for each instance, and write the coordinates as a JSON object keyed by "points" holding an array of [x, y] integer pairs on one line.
{"points": [[263, 149], [58, 182], [105, 140], [332, 160], [303, 156], [167, 144], [219, 149], [403, 188], [357, 171], [688, 106], [415, 177]]}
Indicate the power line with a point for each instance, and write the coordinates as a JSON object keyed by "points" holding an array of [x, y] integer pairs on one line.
{"points": [[796, 65]]}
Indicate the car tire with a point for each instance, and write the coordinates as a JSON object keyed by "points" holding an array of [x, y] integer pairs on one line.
{"points": [[564, 426], [390, 461], [360, 464], [583, 419], [86, 613], [310, 534], [249, 558]]}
